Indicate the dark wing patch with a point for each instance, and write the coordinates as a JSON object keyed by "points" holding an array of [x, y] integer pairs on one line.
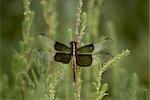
{"points": [[61, 47], [86, 49], [62, 57], [84, 60]]}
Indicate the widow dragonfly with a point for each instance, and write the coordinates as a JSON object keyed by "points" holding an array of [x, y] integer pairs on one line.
{"points": [[82, 56]]}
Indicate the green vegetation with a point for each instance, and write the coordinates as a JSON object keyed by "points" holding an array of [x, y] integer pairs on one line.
{"points": [[34, 76]]}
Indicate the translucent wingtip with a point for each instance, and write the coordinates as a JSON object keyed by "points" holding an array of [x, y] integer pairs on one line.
{"points": [[106, 42], [42, 43]]}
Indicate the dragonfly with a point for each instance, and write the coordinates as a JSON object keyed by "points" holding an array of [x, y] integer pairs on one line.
{"points": [[78, 56]]}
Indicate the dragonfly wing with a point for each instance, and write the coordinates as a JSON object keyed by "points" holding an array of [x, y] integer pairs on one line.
{"points": [[84, 60], [104, 57], [62, 57], [61, 47], [86, 49], [84, 55], [46, 56], [102, 45], [42, 43], [50, 51]]}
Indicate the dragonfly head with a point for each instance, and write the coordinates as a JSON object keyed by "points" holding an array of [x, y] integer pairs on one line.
{"points": [[73, 43]]}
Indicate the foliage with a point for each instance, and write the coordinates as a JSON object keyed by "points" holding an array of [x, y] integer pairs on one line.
{"points": [[37, 78]]}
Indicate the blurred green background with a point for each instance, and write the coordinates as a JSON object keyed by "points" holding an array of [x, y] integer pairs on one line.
{"points": [[130, 18]]}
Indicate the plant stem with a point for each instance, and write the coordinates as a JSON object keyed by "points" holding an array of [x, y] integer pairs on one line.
{"points": [[78, 84]]}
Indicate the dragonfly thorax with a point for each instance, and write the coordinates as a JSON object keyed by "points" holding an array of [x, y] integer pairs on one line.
{"points": [[74, 48]]}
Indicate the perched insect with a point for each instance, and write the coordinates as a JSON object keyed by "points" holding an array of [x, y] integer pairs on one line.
{"points": [[81, 56]]}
